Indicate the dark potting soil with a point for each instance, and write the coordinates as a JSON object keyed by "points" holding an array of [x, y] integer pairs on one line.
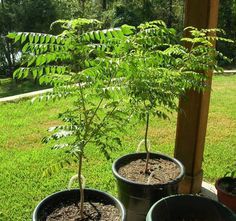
{"points": [[93, 211], [161, 171]]}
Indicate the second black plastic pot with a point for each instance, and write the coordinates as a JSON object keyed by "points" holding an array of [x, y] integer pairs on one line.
{"points": [[47, 205], [138, 198], [188, 208]]}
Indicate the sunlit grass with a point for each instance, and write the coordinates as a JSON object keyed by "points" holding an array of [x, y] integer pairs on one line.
{"points": [[220, 149], [24, 159]]}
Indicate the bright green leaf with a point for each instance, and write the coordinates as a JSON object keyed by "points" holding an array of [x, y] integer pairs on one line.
{"points": [[26, 46], [31, 61], [12, 35], [127, 29], [18, 36], [97, 36], [35, 73], [42, 38], [24, 37], [31, 37], [36, 38], [91, 35]]}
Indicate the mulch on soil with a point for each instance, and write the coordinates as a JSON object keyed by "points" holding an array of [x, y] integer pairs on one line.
{"points": [[161, 171], [93, 211]]}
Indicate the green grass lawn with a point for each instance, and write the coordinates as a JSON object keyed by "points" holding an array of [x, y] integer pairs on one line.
{"points": [[9, 87], [24, 159]]}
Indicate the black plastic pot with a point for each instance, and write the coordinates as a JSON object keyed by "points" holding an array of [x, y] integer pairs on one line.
{"points": [[188, 208], [225, 195], [138, 198], [47, 205]]}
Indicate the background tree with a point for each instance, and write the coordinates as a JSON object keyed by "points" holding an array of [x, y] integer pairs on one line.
{"points": [[19, 15], [227, 21], [37, 15], [8, 21]]}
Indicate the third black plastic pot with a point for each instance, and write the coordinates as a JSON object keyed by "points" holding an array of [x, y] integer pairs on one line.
{"points": [[188, 208], [47, 205], [138, 198], [226, 191]]}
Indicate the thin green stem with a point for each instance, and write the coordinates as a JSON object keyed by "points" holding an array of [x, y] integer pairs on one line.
{"points": [[146, 143], [97, 108], [94, 114], [81, 187], [83, 104], [96, 130]]}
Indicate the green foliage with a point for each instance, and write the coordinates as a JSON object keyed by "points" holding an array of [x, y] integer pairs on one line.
{"points": [[157, 70], [83, 63], [160, 70]]}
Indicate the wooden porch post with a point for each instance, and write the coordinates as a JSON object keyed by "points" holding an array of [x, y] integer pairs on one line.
{"points": [[192, 121]]}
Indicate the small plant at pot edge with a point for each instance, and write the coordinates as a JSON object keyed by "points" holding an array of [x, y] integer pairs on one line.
{"points": [[231, 171], [230, 186]]}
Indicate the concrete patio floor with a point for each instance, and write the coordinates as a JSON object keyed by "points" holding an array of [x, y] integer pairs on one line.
{"points": [[208, 190]]}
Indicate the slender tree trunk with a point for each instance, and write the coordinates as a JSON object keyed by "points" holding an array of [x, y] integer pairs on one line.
{"points": [[7, 47], [146, 143], [144, 4], [104, 4], [2, 2], [229, 12], [81, 187], [13, 56], [7, 53], [169, 21], [82, 3]]}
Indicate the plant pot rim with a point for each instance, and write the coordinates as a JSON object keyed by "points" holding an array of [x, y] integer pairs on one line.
{"points": [[190, 196], [224, 179], [122, 209], [176, 180]]}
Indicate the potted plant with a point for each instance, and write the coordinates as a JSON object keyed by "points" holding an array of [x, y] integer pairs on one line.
{"points": [[226, 188], [189, 208], [160, 71], [79, 63]]}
